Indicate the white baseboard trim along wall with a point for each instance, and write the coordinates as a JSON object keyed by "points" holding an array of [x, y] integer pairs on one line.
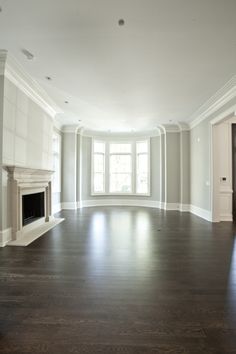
{"points": [[5, 237], [202, 213]]}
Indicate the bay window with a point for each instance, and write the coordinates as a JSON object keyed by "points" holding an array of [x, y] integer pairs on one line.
{"points": [[120, 167]]}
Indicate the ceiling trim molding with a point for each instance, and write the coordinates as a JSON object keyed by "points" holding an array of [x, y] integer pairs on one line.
{"points": [[218, 100], [170, 128], [228, 113], [11, 69], [122, 135], [183, 127], [70, 129]]}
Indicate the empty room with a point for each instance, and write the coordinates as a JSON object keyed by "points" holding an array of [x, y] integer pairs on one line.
{"points": [[118, 176]]}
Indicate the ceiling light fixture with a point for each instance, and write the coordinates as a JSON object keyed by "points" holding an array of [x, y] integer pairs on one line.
{"points": [[28, 55], [121, 22]]}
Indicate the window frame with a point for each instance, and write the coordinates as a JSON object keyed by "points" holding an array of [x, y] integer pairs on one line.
{"points": [[93, 192], [149, 166], [108, 142]]}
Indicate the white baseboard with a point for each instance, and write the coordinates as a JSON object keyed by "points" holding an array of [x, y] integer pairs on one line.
{"points": [[226, 217], [56, 208], [171, 206], [184, 208], [5, 237], [120, 202], [69, 205], [202, 213]]}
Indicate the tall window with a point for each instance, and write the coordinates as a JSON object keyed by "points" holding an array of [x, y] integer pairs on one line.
{"points": [[56, 151], [99, 167], [120, 167]]}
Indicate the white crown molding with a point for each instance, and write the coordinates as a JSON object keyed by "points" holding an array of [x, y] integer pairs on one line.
{"points": [[218, 100], [13, 71], [70, 129], [102, 134], [228, 113], [183, 127], [169, 128]]}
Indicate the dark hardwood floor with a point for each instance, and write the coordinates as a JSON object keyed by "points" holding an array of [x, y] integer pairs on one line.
{"points": [[121, 280]]}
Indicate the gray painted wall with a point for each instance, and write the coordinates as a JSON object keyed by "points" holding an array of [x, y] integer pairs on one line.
{"points": [[172, 167], [69, 167], [185, 167]]}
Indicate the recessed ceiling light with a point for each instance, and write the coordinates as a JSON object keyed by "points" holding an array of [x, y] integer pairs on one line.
{"points": [[48, 78], [121, 22], [28, 55]]}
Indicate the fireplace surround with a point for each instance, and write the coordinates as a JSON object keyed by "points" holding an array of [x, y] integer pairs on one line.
{"points": [[28, 222]]}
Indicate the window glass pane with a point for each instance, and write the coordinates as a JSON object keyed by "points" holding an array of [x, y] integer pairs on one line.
{"points": [[142, 183], [120, 164], [120, 148], [142, 163], [99, 163], [98, 182], [99, 147], [120, 183], [142, 147]]}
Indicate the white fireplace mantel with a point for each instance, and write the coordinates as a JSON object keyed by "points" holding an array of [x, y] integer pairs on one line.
{"points": [[28, 181]]}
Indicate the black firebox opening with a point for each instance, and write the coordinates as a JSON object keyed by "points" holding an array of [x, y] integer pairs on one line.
{"points": [[32, 207]]}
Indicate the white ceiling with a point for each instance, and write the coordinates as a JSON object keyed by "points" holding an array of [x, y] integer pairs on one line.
{"points": [[168, 59]]}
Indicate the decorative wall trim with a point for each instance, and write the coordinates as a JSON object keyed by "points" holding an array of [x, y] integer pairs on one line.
{"points": [[5, 237], [69, 205], [218, 100], [17, 75], [202, 213]]}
